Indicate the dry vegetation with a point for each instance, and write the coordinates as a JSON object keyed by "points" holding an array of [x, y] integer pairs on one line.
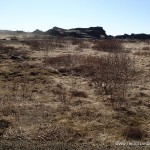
{"points": [[67, 93]]}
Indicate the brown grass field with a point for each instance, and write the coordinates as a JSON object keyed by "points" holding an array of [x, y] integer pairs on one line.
{"points": [[53, 96]]}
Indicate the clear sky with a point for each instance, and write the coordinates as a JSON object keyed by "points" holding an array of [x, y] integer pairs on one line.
{"points": [[115, 16]]}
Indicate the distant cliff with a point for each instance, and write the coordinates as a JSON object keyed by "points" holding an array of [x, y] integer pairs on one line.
{"points": [[92, 32]]}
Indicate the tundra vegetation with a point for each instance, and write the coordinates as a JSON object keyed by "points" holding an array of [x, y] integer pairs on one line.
{"points": [[71, 93]]}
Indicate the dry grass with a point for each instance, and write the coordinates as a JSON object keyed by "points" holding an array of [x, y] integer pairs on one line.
{"points": [[50, 102]]}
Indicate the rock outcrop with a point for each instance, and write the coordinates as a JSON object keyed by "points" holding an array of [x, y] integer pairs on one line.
{"points": [[92, 32], [141, 36]]}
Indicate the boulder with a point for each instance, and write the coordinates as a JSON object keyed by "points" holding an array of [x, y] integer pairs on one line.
{"points": [[16, 57]]}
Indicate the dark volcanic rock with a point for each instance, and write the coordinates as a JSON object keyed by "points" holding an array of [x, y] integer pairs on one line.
{"points": [[56, 31], [16, 57], [125, 36], [141, 36], [92, 32]]}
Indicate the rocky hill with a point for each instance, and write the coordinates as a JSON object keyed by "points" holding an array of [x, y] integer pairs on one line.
{"points": [[92, 32]]}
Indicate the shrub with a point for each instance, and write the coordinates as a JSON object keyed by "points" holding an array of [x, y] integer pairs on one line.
{"points": [[60, 91], [35, 44], [6, 49], [59, 61], [75, 41], [146, 48], [113, 74], [146, 53], [76, 93], [86, 113], [44, 44], [134, 133], [12, 51], [83, 45], [108, 45], [77, 64], [4, 124]]}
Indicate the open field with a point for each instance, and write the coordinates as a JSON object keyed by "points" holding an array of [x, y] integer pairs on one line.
{"points": [[53, 93]]}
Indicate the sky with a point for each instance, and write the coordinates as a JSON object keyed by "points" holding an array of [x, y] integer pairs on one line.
{"points": [[115, 16]]}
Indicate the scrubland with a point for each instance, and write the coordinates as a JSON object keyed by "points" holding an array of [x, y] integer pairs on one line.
{"points": [[67, 93]]}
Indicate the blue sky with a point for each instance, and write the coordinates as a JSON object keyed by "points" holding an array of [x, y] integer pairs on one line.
{"points": [[115, 16]]}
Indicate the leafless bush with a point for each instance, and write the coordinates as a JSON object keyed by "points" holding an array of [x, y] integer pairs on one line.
{"points": [[64, 63], [56, 42], [139, 53], [6, 49], [17, 91], [35, 44], [8, 110], [75, 64], [118, 103], [60, 91], [86, 65], [83, 45], [45, 44], [9, 51], [76, 93], [59, 40], [12, 51], [134, 133], [61, 60], [147, 42], [108, 45], [113, 75], [79, 42], [146, 48], [4, 124], [75, 41], [86, 113], [114, 72]]}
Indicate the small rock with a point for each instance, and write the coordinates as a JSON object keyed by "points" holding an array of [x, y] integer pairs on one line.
{"points": [[16, 57]]}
